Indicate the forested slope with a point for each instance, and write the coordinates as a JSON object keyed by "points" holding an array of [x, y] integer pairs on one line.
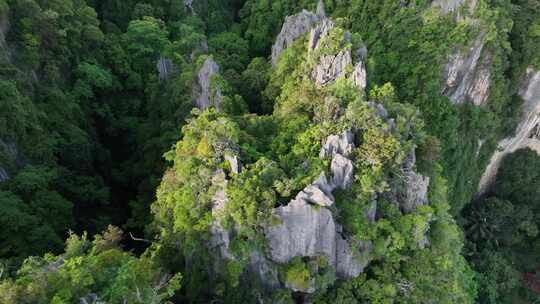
{"points": [[269, 151]]}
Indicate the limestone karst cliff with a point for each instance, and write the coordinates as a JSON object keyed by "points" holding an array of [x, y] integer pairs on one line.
{"points": [[526, 133]]}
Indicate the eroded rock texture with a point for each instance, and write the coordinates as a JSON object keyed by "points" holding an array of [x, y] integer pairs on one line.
{"points": [[205, 93], [415, 188], [293, 28], [467, 75], [307, 228], [526, 134], [165, 67], [330, 67]]}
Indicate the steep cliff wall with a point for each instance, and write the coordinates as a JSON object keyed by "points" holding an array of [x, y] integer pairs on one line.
{"points": [[526, 134]]}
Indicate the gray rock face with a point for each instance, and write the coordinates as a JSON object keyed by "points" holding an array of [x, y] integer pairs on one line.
{"points": [[307, 227], [91, 298], [467, 75], [318, 32], [265, 270], [234, 162], [220, 237], [204, 95], [415, 186], [334, 144], [165, 67], [306, 230], [189, 5], [313, 194], [4, 176], [448, 6], [331, 67], [294, 27], [11, 159], [342, 171], [359, 75], [526, 134]]}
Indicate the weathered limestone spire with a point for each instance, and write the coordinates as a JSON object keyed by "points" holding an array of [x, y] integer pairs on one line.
{"points": [[321, 11]]}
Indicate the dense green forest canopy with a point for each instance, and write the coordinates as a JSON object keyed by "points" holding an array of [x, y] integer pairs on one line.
{"points": [[98, 131]]}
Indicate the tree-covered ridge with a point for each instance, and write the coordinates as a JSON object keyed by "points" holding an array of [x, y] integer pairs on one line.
{"points": [[94, 93], [274, 172]]}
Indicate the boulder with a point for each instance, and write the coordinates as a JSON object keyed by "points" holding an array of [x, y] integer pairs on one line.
{"points": [[293, 28], [204, 94], [467, 75]]}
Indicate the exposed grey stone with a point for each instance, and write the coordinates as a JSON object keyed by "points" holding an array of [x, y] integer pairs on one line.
{"points": [[4, 176], [350, 265], [205, 95], [467, 74], [323, 184], [380, 110], [165, 67], [294, 27], [234, 162], [189, 5], [359, 75], [265, 270], [334, 144], [448, 6], [314, 195], [371, 211], [331, 67], [415, 191], [220, 237], [321, 11], [342, 171], [91, 298], [309, 231], [526, 131], [319, 32]]}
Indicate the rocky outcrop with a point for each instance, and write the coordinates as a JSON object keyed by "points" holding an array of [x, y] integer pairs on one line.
{"points": [[306, 225], [91, 298], [448, 6], [234, 162], [204, 92], [338, 144], [415, 186], [220, 237], [330, 67], [307, 230], [467, 74], [165, 68], [10, 159], [188, 4], [526, 134], [293, 28]]}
